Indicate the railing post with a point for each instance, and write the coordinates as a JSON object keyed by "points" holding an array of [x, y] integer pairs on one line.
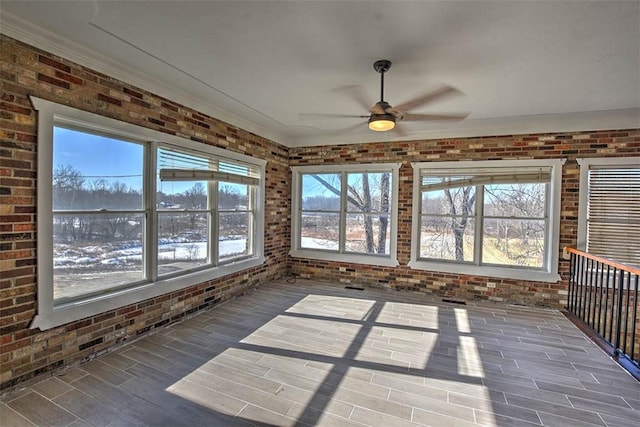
{"points": [[572, 281]]}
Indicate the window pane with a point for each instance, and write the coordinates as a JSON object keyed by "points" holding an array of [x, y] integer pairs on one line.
{"points": [[447, 231], [453, 201], [447, 238], [95, 252], [182, 241], [321, 192], [319, 231], [233, 196], [233, 168], [93, 172], [182, 195], [235, 234], [613, 213], [515, 200], [368, 234], [514, 242], [369, 192]]}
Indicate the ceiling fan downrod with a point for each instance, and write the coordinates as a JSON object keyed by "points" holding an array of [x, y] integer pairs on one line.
{"points": [[382, 66]]}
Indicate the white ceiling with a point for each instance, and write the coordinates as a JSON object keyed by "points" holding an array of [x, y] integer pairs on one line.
{"points": [[523, 66]]}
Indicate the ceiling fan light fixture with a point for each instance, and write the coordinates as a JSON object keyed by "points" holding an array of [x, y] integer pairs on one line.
{"points": [[382, 122]]}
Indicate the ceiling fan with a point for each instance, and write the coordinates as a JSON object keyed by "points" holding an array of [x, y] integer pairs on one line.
{"points": [[383, 116]]}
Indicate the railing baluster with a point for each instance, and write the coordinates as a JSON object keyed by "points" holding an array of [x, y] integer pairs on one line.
{"points": [[604, 295], [587, 290], [594, 294], [635, 317], [581, 288], [625, 350], [576, 306], [606, 303], [602, 285], [619, 320]]}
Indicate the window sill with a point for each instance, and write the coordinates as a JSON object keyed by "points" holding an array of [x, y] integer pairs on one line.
{"points": [[70, 312], [377, 260], [487, 271]]}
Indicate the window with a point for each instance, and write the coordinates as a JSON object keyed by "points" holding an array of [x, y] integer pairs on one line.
{"points": [[491, 218], [609, 211], [345, 213], [133, 213]]}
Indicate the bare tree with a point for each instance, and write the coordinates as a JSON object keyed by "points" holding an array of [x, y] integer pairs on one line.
{"points": [[361, 199], [521, 236], [67, 185], [460, 207]]}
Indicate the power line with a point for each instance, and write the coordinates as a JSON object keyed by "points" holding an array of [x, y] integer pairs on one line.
{"points": [[110, 176]]}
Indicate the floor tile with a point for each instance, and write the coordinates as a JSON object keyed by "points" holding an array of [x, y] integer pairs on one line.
{"points": [[11, 418], [41, 411], [317, 354]]}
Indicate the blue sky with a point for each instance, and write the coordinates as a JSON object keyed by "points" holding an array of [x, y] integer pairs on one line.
{"points": [[98, 156]]}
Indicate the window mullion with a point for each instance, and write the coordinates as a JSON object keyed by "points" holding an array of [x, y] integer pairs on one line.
{"points": [[418, 241], [251, 235], [214, 223], [342, 230], [478, 225], [149, 185], [297, 179], [548, 232]]}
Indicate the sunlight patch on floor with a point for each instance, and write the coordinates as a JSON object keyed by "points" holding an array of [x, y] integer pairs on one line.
{"points": [[330, 306], [462, 320], [469, 362]]}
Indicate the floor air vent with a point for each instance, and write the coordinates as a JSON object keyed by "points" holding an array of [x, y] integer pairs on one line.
{"points": [[355, 288], [454, 301]]}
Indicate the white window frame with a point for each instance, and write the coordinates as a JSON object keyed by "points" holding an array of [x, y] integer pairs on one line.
{"points": [[549, 274], [50, 315], [585, 165], [296, 251]]}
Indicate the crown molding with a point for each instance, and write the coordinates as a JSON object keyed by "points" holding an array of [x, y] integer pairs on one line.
{"points": [[53, 43], [36, 36], [476, 128]]}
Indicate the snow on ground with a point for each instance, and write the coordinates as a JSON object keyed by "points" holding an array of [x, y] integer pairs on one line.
{"points": [[167, 251]]}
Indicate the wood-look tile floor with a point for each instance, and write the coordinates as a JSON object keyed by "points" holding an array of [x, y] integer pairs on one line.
{"points": [[311, 354]]}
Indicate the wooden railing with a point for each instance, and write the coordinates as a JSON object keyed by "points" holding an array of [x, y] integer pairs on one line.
{"points": [[603, 294]]}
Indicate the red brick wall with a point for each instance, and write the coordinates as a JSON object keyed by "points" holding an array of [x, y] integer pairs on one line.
{"points": [[26, 71], [568, 146]]}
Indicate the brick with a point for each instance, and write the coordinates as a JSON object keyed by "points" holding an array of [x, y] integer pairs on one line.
{"points": [[51, 80], [61, 80], [53, 63]]}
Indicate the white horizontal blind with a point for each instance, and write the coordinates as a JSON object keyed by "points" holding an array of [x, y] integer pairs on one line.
{"points": [[183, 166], [613, 213], [439, 179]]}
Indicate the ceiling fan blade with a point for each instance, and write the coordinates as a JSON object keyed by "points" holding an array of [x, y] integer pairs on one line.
{"points": [[347, 129], [399, 115], [441, 93], [359, 95], [314, 116], [378, 108], [398, 130], [433, 117]]}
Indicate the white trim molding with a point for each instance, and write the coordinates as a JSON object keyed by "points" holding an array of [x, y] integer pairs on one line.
{"points": [[552, 253], [51, 314], [341, 255]]}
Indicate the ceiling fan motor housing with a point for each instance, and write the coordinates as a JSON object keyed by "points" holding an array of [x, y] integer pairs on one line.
{"points": [[382, 65]]}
